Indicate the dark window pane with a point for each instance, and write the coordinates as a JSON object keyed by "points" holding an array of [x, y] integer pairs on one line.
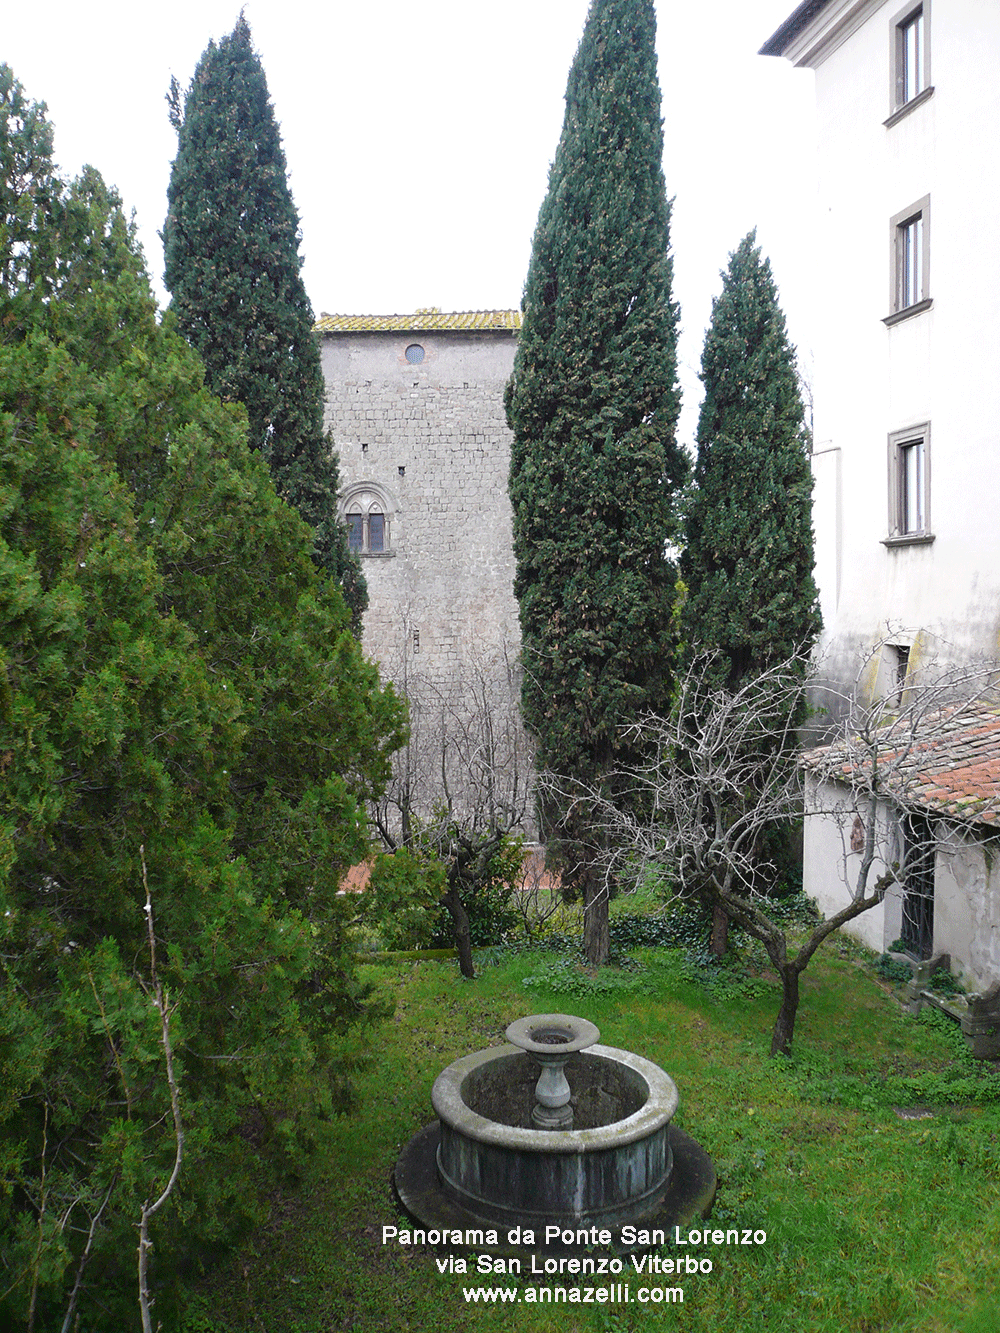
{"points": [[376, 532], [354, 531]]}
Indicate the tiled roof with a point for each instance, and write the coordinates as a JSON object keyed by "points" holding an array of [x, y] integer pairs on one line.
{"points": [[421, 321], [954, 772]]}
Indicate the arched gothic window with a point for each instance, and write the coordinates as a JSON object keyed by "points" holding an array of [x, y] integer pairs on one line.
{"points": [[366, 513]]}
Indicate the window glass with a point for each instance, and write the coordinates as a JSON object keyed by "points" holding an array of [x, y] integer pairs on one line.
{"points": [[355, 532], [911, 36], [911, 478], [376, 531], [911, 269]]}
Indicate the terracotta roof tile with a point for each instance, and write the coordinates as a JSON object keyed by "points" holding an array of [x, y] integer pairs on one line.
{"points": [[955, 772], [430, 320]]}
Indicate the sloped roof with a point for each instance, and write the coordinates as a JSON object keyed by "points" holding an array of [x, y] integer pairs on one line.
{"points": [[955, 772], [430, 320], [792, 26]]}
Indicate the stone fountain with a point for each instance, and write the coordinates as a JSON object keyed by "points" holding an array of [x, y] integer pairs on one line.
{"points": [[553, 1130]]}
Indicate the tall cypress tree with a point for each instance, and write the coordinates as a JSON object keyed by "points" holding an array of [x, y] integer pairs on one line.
{"points": [[231, 242], [593, 404], [748, 555]]}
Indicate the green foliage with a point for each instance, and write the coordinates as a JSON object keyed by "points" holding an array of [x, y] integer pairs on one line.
{"points": [[946, 983], [565, 976], [891, 970], [402, 898], [487, 889], [593, 405], [965, 1081], [176, 675], [748, 554], [231, 241]]}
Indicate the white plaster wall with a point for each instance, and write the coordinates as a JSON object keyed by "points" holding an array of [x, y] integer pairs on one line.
{"points": [[939, 366], [830, 868], [967, 910], [966, 885]]}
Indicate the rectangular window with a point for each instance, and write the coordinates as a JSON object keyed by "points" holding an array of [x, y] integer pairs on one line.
{"points": [[911, 252], [910, 64], [376, 532], [909, 489], [911, 56], [355, 531], [911, 486], [909, 235]]}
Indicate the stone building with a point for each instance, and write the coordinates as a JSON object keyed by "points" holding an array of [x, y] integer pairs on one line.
{"points": [[907, 442], [415, 407]]}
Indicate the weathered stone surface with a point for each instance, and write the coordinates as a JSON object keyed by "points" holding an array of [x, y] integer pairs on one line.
{"points": [[431, 438]]}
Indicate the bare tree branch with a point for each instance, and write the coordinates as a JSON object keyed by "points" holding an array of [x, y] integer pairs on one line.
{"points": [[721, 769], [150, 1209]]}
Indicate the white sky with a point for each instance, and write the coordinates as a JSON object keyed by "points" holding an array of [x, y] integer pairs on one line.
{"points": [[419, 135]]}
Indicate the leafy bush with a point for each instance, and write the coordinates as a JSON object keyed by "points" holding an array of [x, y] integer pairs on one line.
{"points": [[890, 970]]}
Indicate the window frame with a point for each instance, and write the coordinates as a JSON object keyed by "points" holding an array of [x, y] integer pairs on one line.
{"points": [[903, 259], [901, 442], [362, 503], [900, 25]]}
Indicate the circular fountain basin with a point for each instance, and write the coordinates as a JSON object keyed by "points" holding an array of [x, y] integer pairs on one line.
{"points": [[614, 1166]]}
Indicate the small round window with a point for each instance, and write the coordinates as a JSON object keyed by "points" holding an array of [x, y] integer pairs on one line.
{"points": [[414, 354]]}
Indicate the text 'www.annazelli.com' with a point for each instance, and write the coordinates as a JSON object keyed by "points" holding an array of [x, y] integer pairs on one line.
{"points": [[617, 1294]]}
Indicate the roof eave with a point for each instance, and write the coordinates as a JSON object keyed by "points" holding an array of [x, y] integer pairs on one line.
{"points": [[779, 41]]}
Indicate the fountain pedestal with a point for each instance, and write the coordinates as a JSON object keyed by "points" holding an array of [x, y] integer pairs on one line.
{"points": [[551, 1039]]}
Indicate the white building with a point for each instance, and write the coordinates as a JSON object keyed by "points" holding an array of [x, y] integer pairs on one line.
{"points": [[907, 389], [907, 285]]}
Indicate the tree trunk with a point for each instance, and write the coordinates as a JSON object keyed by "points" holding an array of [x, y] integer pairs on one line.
{"points": [[719, 941], [596, 939], [460, 924], [781, 1037]]}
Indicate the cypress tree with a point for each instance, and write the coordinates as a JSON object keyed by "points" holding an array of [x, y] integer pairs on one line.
{"points": [[231, 242], [748, 556], [593, 405]]}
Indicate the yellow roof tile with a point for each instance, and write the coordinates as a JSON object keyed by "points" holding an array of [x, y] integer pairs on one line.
{"points": [[421, 321]]}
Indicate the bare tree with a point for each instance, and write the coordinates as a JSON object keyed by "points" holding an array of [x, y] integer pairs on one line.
{"points": [[717, 775], [463, 785]]}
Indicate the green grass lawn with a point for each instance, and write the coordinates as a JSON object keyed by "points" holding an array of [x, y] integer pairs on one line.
{"points": [[873, 1221]]}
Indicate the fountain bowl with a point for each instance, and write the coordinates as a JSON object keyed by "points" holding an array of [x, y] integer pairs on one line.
{"points": [[485, 1163]]}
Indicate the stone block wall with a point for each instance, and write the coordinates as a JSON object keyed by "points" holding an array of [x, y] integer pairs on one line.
{"points": [[428, 442]]}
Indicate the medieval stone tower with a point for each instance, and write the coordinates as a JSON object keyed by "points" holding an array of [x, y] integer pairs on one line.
{"points": [[415, 407]]}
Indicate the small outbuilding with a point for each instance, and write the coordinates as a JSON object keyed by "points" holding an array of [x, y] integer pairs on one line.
{"points": [[932, 803]]}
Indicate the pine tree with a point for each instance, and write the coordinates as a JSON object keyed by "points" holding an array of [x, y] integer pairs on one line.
{"points": [[593, 405], [231, 243], [748, 555]]}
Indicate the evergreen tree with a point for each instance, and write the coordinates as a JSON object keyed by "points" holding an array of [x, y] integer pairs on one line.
{"points": [[593, 405], [231, 242], [179, 691], [748, 554], [748, 557]]}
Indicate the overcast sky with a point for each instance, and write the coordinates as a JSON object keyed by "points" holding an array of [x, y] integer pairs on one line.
{"points": [[419, 136]]}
